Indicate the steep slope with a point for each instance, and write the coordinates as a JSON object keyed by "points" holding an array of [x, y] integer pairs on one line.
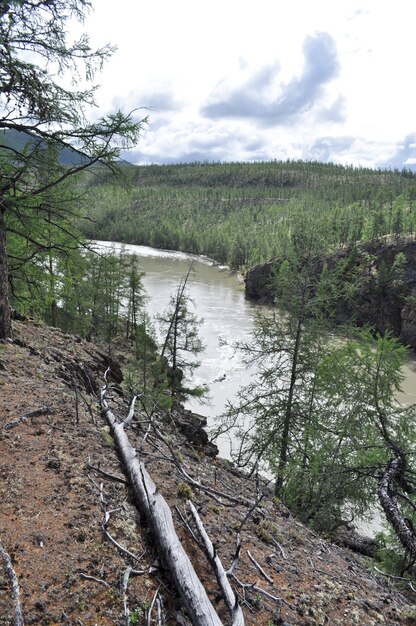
{"points": [[54, 502], [384, 299]]}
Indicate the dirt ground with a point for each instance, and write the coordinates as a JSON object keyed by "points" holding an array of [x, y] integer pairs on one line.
{"points": [[73, 532]]}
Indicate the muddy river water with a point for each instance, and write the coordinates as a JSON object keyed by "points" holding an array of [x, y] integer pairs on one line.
{"points": [[228, 319]]}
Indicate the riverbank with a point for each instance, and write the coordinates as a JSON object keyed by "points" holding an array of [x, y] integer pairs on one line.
{"points": [[382, 276], [61, 479], [218, 300]]}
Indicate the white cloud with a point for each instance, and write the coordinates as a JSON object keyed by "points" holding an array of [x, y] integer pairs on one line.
{"points": [[237, 81]]}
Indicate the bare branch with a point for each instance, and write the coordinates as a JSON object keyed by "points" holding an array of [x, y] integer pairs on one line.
{"points": [[261, 570], [108, 475], [97, 580], [7, 564], [228, 594]]}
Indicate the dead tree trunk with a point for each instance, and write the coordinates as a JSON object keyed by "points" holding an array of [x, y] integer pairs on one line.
{"points": [[387, 495], [228, 594], [5, 318], [158, 514], [8, 567]]}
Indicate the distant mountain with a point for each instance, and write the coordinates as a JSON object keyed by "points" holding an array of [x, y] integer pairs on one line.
{"points": [[19, 140]]}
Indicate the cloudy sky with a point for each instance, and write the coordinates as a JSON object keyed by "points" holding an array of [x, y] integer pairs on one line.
{"points": [[229, 80]]}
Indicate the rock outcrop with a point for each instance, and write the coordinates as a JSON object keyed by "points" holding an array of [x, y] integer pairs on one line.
{"points": [[257, 283], [408, 330], [386, 296], [192, 426]]}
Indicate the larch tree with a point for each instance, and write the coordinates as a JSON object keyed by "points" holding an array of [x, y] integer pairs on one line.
{"points": [[366, 375], [36, 60], [285, 349], [181, 345]]}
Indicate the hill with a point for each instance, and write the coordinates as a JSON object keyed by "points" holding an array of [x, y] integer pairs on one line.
{"points": [[22, 141], [65, 502], [242, 214]]}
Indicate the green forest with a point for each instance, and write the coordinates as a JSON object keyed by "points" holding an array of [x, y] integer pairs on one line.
{"points": [[247, 213], [320, 413]]}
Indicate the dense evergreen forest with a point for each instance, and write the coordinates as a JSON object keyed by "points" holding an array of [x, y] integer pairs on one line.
{"points": [[246, 213]]}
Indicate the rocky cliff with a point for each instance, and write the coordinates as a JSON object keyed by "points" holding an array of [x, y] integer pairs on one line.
{"points": [[386, 296]]}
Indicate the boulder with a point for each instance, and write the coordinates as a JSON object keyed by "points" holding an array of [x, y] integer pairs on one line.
{"points": [[257, 282], [192, 426]]}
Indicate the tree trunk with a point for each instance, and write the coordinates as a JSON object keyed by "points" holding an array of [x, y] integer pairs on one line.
{"points": [[8, 568], [5, 317], [229, 596], [158, 514], [387, 495], [52, 288], [287, 424]]}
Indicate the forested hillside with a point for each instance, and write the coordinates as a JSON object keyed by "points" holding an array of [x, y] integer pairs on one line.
{"points": [[319, 412], [246, 213]]}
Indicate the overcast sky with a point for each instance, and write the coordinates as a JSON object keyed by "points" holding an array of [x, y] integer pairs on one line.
{"points": [[231, 80]]}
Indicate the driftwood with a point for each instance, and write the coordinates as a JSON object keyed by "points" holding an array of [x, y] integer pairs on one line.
{"points": [[8, 567], [159, 517]]}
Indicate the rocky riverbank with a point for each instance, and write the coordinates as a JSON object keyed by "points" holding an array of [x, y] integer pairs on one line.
{"points": [[386, 296]]}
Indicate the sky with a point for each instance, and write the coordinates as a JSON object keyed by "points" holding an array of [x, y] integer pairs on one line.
{"points": [[228, 80]]}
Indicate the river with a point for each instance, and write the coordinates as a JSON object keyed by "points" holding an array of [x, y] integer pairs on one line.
{"points": [[228, 319]]}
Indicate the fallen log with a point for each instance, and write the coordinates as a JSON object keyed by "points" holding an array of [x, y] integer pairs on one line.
{"points": [[228, 594], [159, 517], [357, 543]]}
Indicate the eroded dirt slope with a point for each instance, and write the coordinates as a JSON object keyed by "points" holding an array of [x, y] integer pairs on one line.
{"points": [[53, 503]]}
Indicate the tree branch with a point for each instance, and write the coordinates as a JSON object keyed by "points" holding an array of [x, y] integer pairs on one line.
{"points": [[7, 564]]}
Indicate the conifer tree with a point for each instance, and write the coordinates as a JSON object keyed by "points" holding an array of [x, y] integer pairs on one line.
{"points": [[35, 53], [181, 344]]}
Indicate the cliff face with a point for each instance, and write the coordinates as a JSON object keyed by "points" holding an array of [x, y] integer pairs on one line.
{"points": [[386, 297]]}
